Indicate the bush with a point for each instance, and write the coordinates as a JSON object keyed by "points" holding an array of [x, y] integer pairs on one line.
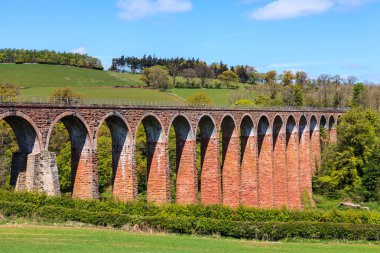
{"points": [[203, 226]]}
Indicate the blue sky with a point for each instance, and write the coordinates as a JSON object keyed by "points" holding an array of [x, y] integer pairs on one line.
{"points": [[317, 36]]}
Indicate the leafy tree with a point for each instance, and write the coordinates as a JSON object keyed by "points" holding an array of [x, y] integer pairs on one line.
{"points": [[228, 77], [301, 78], [8, 92], [199, 98], [203, 72], [159, 77], [287, 78], [358, 95], [65, 96], [350, 167], [188, 74]]}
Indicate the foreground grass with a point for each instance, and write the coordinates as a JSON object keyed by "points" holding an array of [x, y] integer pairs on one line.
{"points": [[68, 239]]}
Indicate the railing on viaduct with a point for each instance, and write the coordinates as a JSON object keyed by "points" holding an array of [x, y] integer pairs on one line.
{"points": [[268, 156]]}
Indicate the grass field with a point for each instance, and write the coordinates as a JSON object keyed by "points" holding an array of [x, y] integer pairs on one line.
{"points": [[42, 80], [68, 239]]}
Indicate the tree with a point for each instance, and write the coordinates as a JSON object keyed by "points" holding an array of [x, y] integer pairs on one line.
{"points": [[203, 72], [188, 74], [199, 98], [287, 78], [358, 95], [271, 80], [350, 168], [301, 78], [351, 80], [159, 77], [228, 77], [65, 96], [8, 92]]}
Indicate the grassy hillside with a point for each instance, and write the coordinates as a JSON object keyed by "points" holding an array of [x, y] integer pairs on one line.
{"points": [[35, 75], [70, 239], [42, 80]]}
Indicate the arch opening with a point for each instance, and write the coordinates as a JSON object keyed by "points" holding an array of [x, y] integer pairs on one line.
{"points": [[292, 160], [20, 143], [208, 160], [115, 173], [265, 163], [70, 141], [152, 161], [305, 159], [230, 162], [183, 172], [279, 163], [248, 178]]}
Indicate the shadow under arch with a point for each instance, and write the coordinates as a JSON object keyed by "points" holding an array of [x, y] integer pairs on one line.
{"points": [[29, 143], [158, 171], [265, 163], [292, 160], [184, 176], [123, 178], [84, 184], [305, 157], [279, 162], [230, 167], [209, 171], [249, 173]]}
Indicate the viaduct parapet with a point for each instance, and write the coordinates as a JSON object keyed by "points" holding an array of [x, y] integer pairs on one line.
{"points": [[266, 159]]}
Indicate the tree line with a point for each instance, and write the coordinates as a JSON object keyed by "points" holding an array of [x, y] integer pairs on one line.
{"points": [[20, 56]]}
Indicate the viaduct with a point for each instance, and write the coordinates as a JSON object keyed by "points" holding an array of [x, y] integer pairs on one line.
{"points": [[266, 159]]}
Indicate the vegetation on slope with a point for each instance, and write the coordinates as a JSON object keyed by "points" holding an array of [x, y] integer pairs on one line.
{"points": [[20, 56]]}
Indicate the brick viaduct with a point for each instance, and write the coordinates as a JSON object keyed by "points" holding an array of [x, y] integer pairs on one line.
{"points": [[267, 157]]}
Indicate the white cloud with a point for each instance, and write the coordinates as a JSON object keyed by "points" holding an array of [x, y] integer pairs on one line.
{"points": [[79, 50], [286, 9], [138, 9]]}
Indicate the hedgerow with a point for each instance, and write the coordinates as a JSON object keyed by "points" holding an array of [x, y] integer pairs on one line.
{"points": [[219, 212], [202, 226]]}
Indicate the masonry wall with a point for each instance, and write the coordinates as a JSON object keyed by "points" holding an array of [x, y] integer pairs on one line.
{"points": [[256, 171]]}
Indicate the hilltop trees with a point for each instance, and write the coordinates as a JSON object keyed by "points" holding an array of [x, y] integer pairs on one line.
{"points": [[20, 56]]}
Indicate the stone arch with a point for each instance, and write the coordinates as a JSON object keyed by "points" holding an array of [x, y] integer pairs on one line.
{"points": [[279, 162], [210, 175], [315, 150], [29, 141], [265, 162], [294, 196], [84, 181], [332, 129], [123, 175], [322, 121], [331, 122], [230, 161], [305, 174], [248, 176], [158, 173], [185, 167]]}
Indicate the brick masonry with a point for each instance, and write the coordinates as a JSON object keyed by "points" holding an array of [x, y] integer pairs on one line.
{"points": [[260, 163]]}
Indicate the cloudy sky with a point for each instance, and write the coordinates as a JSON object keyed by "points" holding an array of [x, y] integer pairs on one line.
{"points": [[318, 36]]}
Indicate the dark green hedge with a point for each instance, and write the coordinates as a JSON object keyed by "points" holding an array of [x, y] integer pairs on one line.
{"points": [[202, 226], [243, 214]]}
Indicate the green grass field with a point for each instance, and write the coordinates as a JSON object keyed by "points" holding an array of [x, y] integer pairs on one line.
{"points": [[42, 80], [68, 239]]}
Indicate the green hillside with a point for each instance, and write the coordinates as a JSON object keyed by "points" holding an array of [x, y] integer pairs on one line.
{"points": [[36, 75], [42, 80]]}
